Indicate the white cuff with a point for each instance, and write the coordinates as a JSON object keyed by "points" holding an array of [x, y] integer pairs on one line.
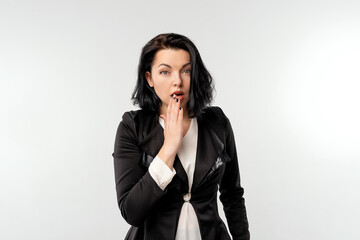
{"points": [[161, 173]]}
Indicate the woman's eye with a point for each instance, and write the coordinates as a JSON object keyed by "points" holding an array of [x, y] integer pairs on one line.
{"points": [[187, 71], [164, 72]]}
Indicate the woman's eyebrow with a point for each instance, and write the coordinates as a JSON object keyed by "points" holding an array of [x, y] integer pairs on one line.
{"points": [[163, 64], [166, 65]]}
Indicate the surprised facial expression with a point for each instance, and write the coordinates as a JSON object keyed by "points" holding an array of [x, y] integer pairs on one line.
{"points": [[170, 74]]}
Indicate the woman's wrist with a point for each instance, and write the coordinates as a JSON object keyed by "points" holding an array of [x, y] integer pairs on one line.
{"points": [[167, 157]]}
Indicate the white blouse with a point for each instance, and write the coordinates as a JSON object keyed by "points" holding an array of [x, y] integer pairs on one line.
{"points": [[188, 226]]}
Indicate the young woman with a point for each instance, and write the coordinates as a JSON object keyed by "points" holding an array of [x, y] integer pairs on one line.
{"points": [[172, 156]]}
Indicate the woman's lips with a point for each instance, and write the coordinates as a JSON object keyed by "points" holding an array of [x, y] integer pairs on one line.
{"points": [[178, 94], [180, 97]]}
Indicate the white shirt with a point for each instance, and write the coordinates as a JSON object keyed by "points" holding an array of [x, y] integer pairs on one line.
{"points": [[188, 226]]}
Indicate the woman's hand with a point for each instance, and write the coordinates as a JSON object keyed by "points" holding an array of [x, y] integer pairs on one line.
{"points": [[173, 132]]}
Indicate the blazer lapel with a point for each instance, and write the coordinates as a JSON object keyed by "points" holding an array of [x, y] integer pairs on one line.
{"points": [[209, 148], [151, 145], [153, 141], [180, 171]]}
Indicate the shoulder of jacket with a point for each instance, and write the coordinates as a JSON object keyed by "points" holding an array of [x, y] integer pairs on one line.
{"points": [[215, 118], [139, 121], [133, 116], [130, 120], [214, 113]]}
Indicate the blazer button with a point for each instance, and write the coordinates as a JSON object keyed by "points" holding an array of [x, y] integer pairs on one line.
{"points": [[187, 197]]}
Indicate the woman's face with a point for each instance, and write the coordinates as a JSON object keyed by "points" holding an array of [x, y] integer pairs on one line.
{"points": [[170, 74]]}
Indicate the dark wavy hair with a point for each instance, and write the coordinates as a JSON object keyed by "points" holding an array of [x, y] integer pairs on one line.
{"points": [[201, 86]]}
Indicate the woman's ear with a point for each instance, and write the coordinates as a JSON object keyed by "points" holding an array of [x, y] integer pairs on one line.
{"points": [[149, 79]]}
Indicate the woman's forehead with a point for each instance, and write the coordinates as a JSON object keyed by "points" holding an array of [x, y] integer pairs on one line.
{"points": [[171, 57]]}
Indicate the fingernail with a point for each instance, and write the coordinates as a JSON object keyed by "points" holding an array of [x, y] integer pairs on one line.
{"points": [[177, 100], [180, 108]]}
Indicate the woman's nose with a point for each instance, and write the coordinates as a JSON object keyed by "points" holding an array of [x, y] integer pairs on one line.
{"points": [[177, 81]]}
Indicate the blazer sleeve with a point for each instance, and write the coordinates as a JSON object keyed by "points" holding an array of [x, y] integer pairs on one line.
{"points": [[137, 192], [231, 192]]}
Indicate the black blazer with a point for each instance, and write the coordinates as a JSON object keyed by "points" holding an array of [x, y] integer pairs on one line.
{"points": [[154, 213]]}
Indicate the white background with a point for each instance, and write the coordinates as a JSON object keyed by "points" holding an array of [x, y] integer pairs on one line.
{"points": [[286, 73]]}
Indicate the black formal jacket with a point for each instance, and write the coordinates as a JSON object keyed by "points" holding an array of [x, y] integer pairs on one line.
{"points": [[154, 213]]}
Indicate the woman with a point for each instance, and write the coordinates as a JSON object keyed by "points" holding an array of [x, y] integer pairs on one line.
{"points": [[173, 155]]}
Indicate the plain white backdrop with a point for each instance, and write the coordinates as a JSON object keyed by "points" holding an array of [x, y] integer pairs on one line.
{"points": [[286, 74]]}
